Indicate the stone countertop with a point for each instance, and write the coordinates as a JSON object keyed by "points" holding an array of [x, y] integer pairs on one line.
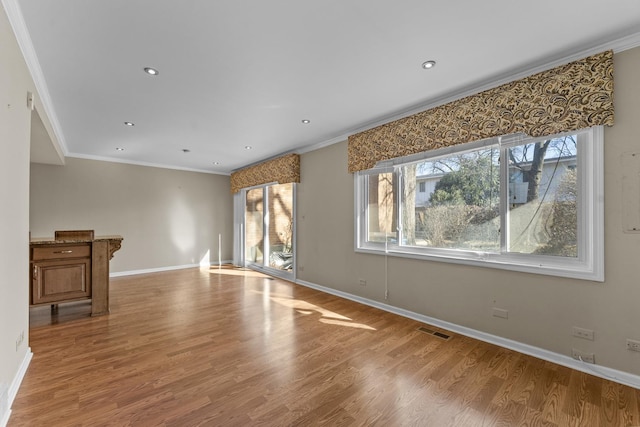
{"points": [[52, 241]]}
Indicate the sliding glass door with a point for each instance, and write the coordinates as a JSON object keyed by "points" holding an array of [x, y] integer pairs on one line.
{"points": [[269, 229], [254, 226]]}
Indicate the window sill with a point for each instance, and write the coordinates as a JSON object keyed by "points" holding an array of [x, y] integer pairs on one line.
{"points": [[573, 269]]}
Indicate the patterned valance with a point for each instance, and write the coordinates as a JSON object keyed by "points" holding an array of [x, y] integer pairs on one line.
{"points": [[570, 97], [281, 170]]}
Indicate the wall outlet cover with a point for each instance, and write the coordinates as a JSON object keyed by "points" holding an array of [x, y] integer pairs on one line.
{"points": [[583, 356], [501, 313], [583, 333]]}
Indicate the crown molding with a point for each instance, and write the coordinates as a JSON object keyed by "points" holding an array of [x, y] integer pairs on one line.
{"points": [[140, 163], [624, 43], [617, 45], [16, 19], [18, 24]]}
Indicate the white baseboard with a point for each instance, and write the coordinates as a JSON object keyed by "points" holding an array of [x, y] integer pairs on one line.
{"points": [[15, 385], [621, 377], [161, 269], [17, 380]]}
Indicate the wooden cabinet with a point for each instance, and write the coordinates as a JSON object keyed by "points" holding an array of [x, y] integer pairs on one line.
{"points": [[61, 273], [72, 266]]}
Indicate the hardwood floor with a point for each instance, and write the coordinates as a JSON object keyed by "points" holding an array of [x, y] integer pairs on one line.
{"points": [[233, 348]]}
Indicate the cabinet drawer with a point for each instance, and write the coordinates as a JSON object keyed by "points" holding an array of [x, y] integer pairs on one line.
{"points": [[61, 252]]}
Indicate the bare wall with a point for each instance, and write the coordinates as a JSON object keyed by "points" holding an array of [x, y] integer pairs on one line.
{"points": [[167, 217], [542, 309], [15, 126]]}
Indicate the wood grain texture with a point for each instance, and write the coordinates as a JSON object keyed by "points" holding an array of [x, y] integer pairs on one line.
{"points": [[73, 234], [72, 269], [225, 347], [100, 278]]}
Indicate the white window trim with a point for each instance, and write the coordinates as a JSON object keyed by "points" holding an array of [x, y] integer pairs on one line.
{"points": [[589, 265]]}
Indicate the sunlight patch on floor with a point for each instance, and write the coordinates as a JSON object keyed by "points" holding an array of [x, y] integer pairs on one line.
{"points": [[233, 271], [349, 324], [327, 316]]}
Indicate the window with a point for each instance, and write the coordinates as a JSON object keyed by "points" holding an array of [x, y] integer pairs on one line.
{"points": [[513, 202], [269, 229]]}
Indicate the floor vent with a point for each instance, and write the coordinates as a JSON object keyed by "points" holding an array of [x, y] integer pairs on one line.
{"points": [[434, 333]]}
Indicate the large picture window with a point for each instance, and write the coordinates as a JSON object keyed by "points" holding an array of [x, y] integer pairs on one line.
{"points": [[513, 202]]}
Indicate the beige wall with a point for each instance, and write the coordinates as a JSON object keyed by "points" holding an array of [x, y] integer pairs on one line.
{"points": [[171, 218], [15, 125], [542, 309], [167, 217]]}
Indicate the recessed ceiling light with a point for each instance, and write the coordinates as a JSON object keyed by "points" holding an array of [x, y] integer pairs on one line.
{"points": [[151, 71], [428, 64], [216, 163], [306, 121], [129, 124], [248, 147], [119, 149]]}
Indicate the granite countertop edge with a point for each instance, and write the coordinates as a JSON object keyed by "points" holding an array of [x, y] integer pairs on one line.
{"points": [[52, 241]]}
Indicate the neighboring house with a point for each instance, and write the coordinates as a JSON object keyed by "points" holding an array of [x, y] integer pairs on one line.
{"points": [[552, 172], [518, 185], [425, 186]]}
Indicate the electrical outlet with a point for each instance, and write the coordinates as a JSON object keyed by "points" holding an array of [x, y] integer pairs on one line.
{"points": [[362, 282], [586, 334], [501, 313], [581, 355], [633, 345]]}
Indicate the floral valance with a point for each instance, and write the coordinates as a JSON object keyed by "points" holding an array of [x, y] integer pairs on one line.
{"points": [[281, 170], [570, 97]]}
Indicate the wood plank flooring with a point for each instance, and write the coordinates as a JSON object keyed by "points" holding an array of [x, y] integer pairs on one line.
{"points": [[232, 348]]}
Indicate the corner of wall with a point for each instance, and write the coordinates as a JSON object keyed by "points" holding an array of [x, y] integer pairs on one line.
{"points": [[8, 392]]}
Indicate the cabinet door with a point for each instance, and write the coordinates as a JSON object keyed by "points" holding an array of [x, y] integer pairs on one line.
{"points": [[60, 280]]}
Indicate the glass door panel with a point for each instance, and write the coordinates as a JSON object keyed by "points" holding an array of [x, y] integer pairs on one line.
{"points": [[254, 226], [269, 228], [280, 224]]}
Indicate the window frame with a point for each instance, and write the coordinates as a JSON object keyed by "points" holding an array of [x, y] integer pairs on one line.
{"points": [[588, 265], [240, 219]]}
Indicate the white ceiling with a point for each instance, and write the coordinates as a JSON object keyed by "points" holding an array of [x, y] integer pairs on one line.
{"points": [[236, 73]]}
